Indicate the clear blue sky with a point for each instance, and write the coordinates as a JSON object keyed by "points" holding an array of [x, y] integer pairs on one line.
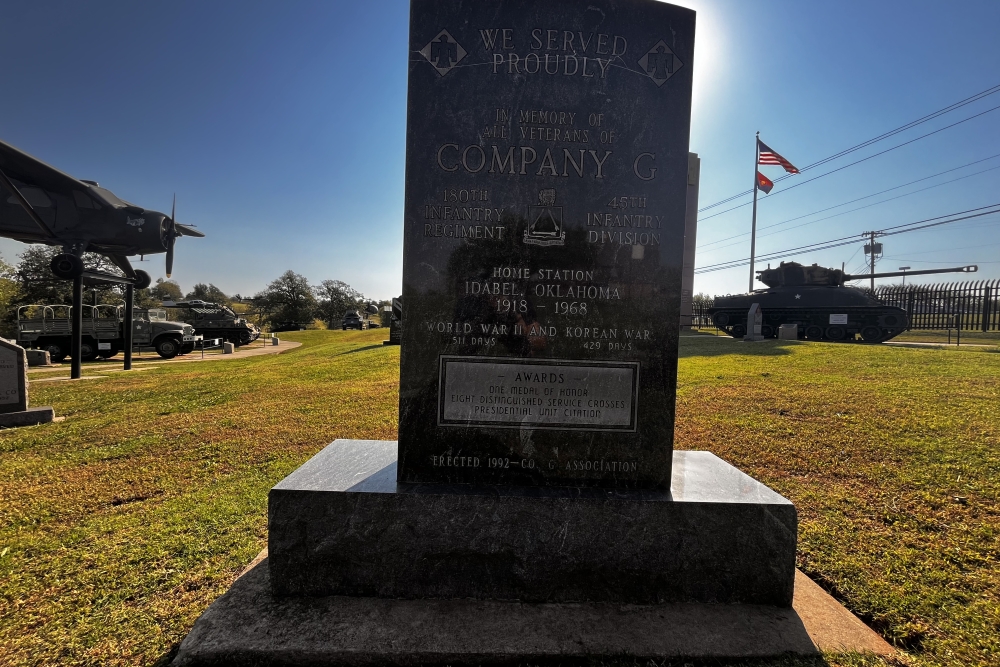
{"points": [[280, 126]]}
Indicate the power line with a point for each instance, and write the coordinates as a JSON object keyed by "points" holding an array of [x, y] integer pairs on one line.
{"points": [[851, 164], [936, 224], [925, 252], [859, 208], [874, 194], [902, 128], [846, 240]]}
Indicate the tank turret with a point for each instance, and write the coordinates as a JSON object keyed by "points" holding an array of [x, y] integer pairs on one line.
{"points": [[793, 274], [816, 299]]}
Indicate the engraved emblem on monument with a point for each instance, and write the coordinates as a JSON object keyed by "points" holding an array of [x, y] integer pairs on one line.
{"points": [[546, 226], [443, 52], [660, 63]]}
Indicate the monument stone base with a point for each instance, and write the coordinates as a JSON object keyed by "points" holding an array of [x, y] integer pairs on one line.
{"points": [[248, 627], [407, 564], [28, 417], [342, 525]]}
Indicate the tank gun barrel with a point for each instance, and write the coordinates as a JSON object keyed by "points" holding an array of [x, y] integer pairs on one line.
{"points": [[972, 268]]}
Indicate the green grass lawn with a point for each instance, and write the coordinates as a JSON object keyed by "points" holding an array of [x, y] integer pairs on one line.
{"points": [[120, 525], [942, 336]]}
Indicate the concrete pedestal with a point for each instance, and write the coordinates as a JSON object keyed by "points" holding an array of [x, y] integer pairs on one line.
{"points": [[249, 627], [28, 417], [341, 525]]}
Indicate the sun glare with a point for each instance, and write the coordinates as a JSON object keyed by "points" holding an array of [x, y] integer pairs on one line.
{"points": [[710, 50]]}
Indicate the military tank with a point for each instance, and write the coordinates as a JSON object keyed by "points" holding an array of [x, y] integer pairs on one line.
{"points": [[816, 299], [213, 320]]}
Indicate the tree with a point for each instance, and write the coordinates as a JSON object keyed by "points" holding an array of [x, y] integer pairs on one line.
{"points": [[335, 298], [36, 284], [702, 299], [287, 300], [8, 293], [166, 290], [209, 293]]}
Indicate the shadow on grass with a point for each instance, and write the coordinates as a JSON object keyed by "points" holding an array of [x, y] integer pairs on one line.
{"points": [[362, 349], [167, 658], [713, 346]]}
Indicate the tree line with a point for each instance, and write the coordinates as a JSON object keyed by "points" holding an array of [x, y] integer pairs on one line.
{"points": [[290, 300], [287, 301]]}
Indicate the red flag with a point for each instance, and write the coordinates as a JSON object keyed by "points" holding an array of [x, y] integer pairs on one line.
{"points": [[764, 183], [768, 156]]}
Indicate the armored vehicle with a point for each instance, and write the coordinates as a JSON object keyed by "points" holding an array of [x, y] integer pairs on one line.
{"points": [[816, 299], [353, 320], [48, 327], [213, 320]]}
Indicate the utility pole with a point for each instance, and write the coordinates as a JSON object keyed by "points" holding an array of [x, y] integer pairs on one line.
{"points": [[873, 261], [753, 227], [873, 249]]}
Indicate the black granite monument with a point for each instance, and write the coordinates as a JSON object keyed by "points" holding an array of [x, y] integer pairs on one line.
{"points": [[547, 154], [395, 323]]}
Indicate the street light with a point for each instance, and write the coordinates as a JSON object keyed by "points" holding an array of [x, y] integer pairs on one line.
{"points": [[904, 269]]}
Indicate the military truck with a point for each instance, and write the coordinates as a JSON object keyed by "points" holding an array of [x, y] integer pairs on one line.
{"points": [[213, 320], [49, 327]]}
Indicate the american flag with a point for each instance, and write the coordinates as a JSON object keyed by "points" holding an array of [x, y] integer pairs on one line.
{"points": [[768, 156]]}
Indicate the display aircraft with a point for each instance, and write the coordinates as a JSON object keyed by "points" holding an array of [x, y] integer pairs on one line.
{"points": [[40, 204]]}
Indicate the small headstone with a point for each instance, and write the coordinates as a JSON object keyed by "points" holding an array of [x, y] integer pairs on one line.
{"points": [[14, 409], [228, 348], [755, 321], [13, 377], [395, 322], [38, 357], [788, 332]]}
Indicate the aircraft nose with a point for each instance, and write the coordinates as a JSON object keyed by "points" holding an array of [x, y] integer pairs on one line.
{"points": [[165, 231]]}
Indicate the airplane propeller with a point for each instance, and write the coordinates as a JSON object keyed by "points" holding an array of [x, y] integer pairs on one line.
{"points": [[172, 235], [172, 230]]}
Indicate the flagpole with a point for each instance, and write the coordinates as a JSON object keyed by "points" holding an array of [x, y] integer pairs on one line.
{"points": [[753, 228]]}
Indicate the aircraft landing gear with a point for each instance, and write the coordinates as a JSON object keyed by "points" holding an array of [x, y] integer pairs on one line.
{"points": [[142, 279], [67, 266]]}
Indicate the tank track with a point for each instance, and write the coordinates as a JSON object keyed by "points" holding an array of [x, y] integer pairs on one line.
{"points": [[864, 325]]}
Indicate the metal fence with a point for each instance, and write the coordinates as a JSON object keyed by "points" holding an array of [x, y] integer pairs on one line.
{"points": [[700, 319], [968, 306]]}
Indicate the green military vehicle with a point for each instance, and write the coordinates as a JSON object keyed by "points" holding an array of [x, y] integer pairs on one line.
{"points": [[213, 320], [49, 327], [353, 320]]}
